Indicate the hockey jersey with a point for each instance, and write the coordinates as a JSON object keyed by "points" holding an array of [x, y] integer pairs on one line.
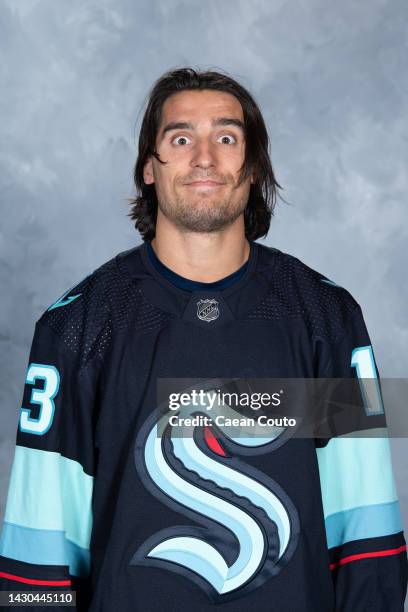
{"points": [[101, 503]]}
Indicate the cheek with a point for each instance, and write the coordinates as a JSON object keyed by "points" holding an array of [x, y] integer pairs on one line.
{"points": [[170, 173], [163, 179], [235, 162]]}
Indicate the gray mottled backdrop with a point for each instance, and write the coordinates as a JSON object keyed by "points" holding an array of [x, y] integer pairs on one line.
{"points": [[331, 82]]}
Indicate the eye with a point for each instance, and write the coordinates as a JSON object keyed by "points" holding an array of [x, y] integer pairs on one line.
{"points": [[230, 137], [180, 138]]}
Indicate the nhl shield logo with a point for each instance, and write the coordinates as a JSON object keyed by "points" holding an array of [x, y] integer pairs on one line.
{"points": [[207, 310]]}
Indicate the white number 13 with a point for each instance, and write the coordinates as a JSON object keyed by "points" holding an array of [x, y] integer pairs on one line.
{"points": [[362, 359], [44, 397]]}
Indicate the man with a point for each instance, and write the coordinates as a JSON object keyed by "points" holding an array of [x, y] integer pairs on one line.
{"points": [[134, 517]]}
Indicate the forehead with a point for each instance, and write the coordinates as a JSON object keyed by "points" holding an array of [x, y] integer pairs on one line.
{"points": [[200, 106]]}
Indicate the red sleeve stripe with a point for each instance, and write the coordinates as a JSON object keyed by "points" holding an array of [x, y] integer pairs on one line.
{"points": [[379, 553], [32, 581]]}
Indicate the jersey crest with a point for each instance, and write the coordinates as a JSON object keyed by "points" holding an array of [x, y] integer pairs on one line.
{"points": [[246, 527]]}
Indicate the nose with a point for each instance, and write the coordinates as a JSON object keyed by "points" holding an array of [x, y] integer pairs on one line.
{"points": [[203, 154]]}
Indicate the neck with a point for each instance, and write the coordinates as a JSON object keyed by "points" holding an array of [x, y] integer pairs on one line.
{"points": [[205, 257]]}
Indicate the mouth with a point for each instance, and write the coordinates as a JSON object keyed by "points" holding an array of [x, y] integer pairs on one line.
{"points": [[204, 184]]}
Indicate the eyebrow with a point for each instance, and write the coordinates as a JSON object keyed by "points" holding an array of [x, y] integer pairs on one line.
{"points": [[185, 125]]}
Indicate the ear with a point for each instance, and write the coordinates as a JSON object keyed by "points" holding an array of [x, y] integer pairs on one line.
{"points": [[148, 175], [253, 174]]}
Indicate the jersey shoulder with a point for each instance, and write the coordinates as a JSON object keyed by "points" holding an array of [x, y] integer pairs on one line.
{"points": [[104, 303], [299, 291]]}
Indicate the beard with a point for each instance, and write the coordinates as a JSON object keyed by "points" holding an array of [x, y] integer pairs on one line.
{"points": [[203, 214]]}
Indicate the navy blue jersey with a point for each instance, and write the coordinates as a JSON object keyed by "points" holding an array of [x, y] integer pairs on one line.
{"points": [[100, 503]]}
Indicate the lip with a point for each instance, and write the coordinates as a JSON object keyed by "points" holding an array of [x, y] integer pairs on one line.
{"points": [[204, 184]]}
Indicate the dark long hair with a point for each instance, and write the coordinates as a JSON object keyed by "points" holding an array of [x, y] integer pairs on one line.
{"points": [[263, 192]]}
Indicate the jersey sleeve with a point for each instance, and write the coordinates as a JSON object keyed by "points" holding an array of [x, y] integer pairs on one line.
{"points": [[365, 538], [45, 536]]}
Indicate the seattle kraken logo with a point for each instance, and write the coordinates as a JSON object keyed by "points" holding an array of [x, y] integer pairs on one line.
{"points": [[207, 310], [245, 528]]}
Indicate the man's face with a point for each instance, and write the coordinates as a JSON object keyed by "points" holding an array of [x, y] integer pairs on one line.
{"points": [[201, 137]]}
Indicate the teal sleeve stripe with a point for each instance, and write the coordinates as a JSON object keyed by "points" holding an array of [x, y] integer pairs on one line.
{"points": [[50, 492], [42, 547], [362, 523], [355, 472]]}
